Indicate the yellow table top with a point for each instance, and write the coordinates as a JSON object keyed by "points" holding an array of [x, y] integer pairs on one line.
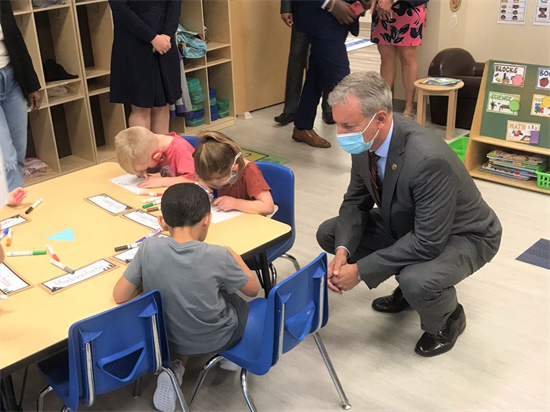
{"points": [[33, 320], [432, 87]]}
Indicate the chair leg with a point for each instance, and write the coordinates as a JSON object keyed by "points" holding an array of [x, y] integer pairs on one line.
{"points": [[200, 380], [64, 409], [244, 387], [273, 271], [137, 388], [293, 260], [41, 398], [177, 388], [343, 399]]}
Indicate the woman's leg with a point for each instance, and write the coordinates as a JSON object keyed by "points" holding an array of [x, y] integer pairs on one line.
{"points": [[140, 116], [388, 65], [160, 120], [409, 69]]}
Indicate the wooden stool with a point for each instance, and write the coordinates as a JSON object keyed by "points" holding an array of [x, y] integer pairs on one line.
{"points": [[425, 90]]}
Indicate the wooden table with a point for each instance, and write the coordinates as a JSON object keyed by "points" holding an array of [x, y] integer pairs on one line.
{"points": [[425, 90], [35, 323]]}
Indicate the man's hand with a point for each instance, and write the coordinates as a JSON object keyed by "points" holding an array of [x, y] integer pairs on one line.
{"points": [[347, 278], [33, 100], [226, 203], [287, 18], [161, 43], [334, 267], [342, 13]]}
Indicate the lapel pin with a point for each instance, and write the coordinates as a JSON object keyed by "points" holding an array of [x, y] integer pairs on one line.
{"points": [[394, 167]]}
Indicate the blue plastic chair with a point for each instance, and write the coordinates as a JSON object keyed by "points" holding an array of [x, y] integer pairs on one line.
{"points": [[108, 351], [192, 140], [295, 308], [281, 181]]}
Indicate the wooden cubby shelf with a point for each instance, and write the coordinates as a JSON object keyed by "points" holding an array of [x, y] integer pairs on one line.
{"points": [[76, 125]]}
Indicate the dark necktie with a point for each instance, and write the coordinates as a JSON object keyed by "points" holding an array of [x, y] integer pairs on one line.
{"points": [[374, 178]]}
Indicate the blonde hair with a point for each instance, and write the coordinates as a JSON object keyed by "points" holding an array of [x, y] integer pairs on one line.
{"points": [[215, 154], [134, 145]]}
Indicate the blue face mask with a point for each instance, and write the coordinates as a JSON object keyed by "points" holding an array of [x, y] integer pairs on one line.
{"points": [[353, 143]]}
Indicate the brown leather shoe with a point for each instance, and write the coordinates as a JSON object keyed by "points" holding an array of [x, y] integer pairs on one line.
{"points": [[310, 137]]}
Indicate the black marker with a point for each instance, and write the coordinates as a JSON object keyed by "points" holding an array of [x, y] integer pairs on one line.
{"points": [[34, 205]]}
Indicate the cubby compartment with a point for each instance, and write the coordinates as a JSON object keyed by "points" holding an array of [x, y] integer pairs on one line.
{"points": [[26, 25], [219, 79], [191, 16], [57, 39], [191, 65], [99, 85], [218, 56], [41, 144], [73, 136], [21, 6], [39, 5], [63, 92], [216, 19], [108, 120], [95, 29]]}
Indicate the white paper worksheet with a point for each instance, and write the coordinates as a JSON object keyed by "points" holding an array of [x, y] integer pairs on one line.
{"points": [[128, 182]]}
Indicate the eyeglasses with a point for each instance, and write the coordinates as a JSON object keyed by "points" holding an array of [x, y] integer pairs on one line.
{"points": [[232, 177]]}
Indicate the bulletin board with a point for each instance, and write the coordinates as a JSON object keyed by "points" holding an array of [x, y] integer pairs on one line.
{"points": [[516, 103]]}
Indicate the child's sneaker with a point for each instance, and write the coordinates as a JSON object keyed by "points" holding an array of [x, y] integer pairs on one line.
{"points": [[228, 365], [165, 397]]}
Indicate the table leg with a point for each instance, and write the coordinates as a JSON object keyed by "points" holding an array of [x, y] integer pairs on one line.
{"points": [[266, 276], [451, 115], [421, 108], [9, 403]]}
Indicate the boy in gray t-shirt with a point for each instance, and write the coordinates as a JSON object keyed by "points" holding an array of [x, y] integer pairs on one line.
{"points": [[197, 281]]}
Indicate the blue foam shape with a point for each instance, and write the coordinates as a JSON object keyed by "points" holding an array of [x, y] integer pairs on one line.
{"points": [[67, 235], [538, 254]]}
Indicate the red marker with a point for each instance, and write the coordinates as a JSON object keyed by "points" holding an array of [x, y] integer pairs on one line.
{"points": [[144, 193], [52, 252], [19, 196]]}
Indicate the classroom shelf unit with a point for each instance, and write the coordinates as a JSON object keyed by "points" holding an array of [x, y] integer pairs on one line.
{"points": [[479, 145], [76, 124]]}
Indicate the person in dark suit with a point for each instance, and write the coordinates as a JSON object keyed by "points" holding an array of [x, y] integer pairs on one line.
{"points": [[145, 70], [326, 23], [431, 227], [297, 62], [19, 88]]}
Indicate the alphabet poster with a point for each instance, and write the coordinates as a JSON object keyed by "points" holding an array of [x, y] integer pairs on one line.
{"points": [[503, 103], [521, 131], [542, 15], [512, 11], [508, 74]]}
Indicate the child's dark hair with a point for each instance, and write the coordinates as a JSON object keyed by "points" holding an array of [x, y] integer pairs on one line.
{"points": [[215, 154], [184, 204]]}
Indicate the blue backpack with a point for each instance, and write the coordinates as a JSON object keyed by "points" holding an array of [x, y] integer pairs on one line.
{"points": [[194, 46]]}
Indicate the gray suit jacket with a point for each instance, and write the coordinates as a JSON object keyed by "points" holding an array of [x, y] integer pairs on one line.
{"points": [[427, 196]]}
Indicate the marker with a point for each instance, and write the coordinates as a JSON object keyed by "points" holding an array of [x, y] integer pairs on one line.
{"points": [[27, 253], [153, 233], [126, 247], [52, 252], [150, 194], [151, 199], [148, 205], [62, 266], [4, 233], [153, 209], [19, 196], [34, 205], [10, 237]]}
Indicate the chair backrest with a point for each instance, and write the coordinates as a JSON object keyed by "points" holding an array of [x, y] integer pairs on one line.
{"points": [[192, 140], [281, 181], [452, 62], [116, 347], [301, 306]]}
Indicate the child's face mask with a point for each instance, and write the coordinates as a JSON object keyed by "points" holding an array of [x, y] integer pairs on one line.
{"points": [[232, 177]]}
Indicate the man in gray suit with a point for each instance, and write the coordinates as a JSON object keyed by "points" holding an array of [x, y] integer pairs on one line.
{"points": [[431, 227], [297, 63]]}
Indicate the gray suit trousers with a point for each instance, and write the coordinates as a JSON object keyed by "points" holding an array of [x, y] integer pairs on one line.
{"points": [[427, 286], [297, 63]]}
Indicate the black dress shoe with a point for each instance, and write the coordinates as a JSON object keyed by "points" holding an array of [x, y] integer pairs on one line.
{"points": [[284, 118], [445, 339], [393, 303], [327, 118]]}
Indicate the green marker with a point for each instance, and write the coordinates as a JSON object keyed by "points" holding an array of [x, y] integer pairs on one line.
{"points": [[29, 253], [148, 205]]}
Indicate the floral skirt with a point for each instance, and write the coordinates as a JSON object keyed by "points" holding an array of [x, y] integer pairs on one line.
{"points": [[403, 29]]}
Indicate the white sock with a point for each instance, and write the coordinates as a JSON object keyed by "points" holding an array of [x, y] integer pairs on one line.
{"points": [[228, 365]]}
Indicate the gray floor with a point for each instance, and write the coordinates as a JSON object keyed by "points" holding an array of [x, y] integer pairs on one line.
{"points": [[501, 362]]}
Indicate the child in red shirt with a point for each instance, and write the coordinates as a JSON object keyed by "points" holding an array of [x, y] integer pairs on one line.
{"points": [[220, 164], [138, 149]]}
